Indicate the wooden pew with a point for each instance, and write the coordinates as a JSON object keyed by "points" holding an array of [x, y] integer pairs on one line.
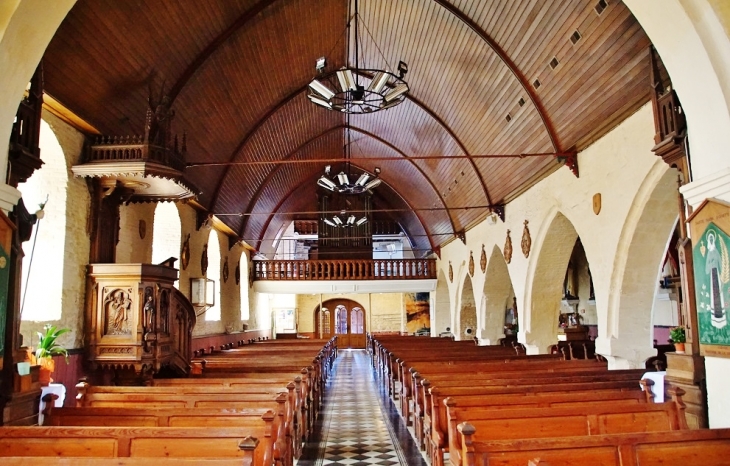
{"points": [[301, 402], [436, 424], [141, 461], [525, 390], [534, 378], [706, 447], [491, 424], [199, 397], [122, 442]]}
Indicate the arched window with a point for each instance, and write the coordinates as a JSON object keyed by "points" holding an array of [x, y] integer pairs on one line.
{"points": [[214, 273], [42, 280], [243, 287], [166, 233]]}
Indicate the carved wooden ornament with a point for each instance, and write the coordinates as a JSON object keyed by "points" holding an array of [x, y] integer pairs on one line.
{"points": [[225, 271], [250, 274], [142, 229], [597, 203], [471, 263], [204, 260], [185, 253], [451, 273], [508, 249], [483, 260], [237, 274], [526, 241]]}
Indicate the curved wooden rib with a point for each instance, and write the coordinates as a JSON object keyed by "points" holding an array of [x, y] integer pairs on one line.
{"points": [[291, 191], [259, 190], [461, 16]]}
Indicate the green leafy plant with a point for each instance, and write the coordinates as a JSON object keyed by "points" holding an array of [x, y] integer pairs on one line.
{"points": [[47, 345], [678, 334]]}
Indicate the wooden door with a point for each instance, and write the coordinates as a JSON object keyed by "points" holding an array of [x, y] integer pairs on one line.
{"points": [[344, 318]]}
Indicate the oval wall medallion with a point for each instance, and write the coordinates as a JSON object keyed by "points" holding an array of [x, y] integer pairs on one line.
{"points": [[225, 271], [185, 253], [451, 273], [508, 249], [471, 263], [483, 260], [526, 241]]}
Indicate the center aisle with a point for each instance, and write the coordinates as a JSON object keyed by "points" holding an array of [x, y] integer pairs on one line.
{"points": [[359, 424]]}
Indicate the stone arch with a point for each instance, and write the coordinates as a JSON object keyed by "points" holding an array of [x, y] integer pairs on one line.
{"points": [[166, 232], [467, 316], [554, 246], [441, 306], [628, 337], [498, 296], [214, 273]]}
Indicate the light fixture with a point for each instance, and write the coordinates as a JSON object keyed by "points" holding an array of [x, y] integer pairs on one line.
{"points": [[341, 182], [350, 220], [354, 89], [202, 293]]}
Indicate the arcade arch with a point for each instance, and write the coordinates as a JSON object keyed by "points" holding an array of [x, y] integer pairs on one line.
{"points": [[467, 323], [498, 297], [442, 306], [544, 285]]}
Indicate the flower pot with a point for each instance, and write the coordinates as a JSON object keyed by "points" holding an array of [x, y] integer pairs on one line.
{"points": [[679, 348], [47, 368]]}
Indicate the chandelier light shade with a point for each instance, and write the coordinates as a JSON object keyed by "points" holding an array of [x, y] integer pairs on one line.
{"points": [[344, 220], [356, 90]]}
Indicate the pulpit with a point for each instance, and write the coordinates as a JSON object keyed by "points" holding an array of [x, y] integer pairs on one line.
{"points": [[137, 319]]}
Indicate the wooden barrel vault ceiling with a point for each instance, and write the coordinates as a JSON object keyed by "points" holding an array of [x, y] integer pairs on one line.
{"points": [[489, 77]]}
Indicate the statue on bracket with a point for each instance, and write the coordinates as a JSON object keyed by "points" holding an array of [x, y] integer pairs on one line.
{"points": [[526, 241], [185, 253], [508, 248], [483, 260], [225, 270], [204, 260]]}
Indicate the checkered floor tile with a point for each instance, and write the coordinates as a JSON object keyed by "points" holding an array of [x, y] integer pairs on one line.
{"points": [[355, 426]]}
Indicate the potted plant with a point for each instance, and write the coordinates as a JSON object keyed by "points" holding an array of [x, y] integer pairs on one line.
{"points": [[679, 337], [47, 348]]}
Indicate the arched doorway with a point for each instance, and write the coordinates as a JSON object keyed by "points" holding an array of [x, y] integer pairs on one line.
{"points": [[344, 318], [468, 312]]}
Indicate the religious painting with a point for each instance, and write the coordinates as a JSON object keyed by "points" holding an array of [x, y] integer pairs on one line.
{"points": [[712, 285], [418, 311]]}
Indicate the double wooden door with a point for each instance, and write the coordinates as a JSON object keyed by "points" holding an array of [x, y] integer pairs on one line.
{"points": [[344, 318]]}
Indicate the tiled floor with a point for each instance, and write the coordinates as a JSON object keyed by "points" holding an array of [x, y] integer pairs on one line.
{"points": [[359, 424]]}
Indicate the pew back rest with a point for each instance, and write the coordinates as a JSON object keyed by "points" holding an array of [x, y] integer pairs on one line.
{"points": [[706, 447], [131, 442]]}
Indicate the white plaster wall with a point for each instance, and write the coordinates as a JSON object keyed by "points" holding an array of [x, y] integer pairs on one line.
{"points": [[616, 166], [132, 248]]}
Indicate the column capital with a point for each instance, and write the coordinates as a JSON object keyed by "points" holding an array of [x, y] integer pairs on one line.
{"points": [[716, 185]]}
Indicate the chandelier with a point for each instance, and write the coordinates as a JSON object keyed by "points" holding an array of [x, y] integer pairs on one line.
{"points": [[345, 182], [358, 90], [345, 220]]}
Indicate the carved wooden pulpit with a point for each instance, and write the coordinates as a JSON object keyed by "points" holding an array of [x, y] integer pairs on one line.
{"points": [[137, 319]]}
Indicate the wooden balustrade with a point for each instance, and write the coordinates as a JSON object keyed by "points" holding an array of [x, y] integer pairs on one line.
{"points": [[345, 269]]}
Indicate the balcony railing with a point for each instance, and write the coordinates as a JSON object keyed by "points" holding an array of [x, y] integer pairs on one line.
{"points": [[345, 269]]}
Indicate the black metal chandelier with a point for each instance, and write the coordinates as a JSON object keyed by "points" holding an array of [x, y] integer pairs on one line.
{"points": [[358, 90], [345, 182], [344, 220]]}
